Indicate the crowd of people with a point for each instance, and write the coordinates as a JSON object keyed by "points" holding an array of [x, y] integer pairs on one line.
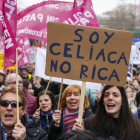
{"points": [[112, 113]]}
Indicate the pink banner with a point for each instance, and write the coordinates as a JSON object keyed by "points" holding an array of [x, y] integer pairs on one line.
{"points": [[22, 55], [10, 44], [11, 13], [32, 22], [27, 45], [1, 44], [81, 15]]}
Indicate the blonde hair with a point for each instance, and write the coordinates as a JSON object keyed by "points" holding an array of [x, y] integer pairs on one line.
{"points": [[67, 90]]}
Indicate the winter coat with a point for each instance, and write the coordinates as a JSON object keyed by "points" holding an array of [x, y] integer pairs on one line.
{"points": [[103, 135], [46, 120], [56, 132], [31, 102], [33, 130]]}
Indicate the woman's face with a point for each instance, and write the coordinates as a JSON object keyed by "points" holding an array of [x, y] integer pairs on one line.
{"points": [[73, 100], [112, 101], [46, 105], [129, 93], [30, 90]]}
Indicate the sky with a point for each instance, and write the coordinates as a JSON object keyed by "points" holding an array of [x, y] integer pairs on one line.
{"points": [[100, 6]]}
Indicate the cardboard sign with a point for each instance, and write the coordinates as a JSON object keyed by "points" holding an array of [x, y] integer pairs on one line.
{"points": [[2, 62], [88, 54]]}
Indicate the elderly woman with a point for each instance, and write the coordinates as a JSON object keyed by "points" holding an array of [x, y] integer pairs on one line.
{"points": [[64, 120], [113, 119]]}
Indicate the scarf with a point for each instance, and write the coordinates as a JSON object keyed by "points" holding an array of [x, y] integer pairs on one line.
{"points": [[46, 119], [69, 119]]}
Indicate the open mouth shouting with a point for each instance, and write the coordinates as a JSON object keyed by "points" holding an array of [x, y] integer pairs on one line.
{"points": [[110, 106], [8, 117], [72, 104]]}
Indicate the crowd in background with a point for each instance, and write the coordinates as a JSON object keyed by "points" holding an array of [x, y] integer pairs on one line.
{"points": [[109, 114]]}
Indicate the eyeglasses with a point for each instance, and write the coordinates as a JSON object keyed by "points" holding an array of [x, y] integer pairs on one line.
{"points": [[6, 103], [13, 83]]}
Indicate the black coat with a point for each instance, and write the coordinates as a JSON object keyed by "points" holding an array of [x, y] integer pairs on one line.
{"points": [[56, 132], [103, 136], [33, 130]]}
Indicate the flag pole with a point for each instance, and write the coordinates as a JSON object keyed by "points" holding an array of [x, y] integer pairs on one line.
{"points": [[60, 95], [82, 98], [17, 86]]}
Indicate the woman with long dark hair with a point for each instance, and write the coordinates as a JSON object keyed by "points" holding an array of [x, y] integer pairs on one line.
{"points": [[47, 109], [113, 119]]}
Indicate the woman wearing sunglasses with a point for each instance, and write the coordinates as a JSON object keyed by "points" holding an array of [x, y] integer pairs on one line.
{"points": [[47, 109], [113, 119]]}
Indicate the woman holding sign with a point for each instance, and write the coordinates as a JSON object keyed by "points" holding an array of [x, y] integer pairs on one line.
{"points": [[113, 119], [64, 120]]}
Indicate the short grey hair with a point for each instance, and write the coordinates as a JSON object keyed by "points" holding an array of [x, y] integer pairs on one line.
{"points": [[8, 76]]}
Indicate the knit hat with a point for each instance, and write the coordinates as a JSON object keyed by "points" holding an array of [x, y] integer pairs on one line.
{"points": [[2, 72], [24, 68]]}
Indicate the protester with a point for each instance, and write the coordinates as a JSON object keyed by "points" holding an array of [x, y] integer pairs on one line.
{"points": [[30, 68], [137, 112], [2, 78], [44, 83], [37, 87], [54, 87], [78, 135], [70, 109], [129, 90], [113, 118], [134, 82], [28, 85], [25, 74], [27, 128], [138, 79], [47, 109], [31, 100]]}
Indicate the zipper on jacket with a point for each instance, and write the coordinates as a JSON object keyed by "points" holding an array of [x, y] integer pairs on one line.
{"points": [[47, 121]]}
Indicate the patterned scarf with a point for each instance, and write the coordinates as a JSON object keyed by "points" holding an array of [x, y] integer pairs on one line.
{"points": [[69, 119]]}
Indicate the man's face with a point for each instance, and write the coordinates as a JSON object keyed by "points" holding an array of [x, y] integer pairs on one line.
{"points": [[24, 74], [29, 67], [1, 77], [12, 81], [9, 113]]}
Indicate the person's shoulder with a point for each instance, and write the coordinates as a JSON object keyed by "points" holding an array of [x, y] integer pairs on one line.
{"points": [[36, 133], [88, 112]]}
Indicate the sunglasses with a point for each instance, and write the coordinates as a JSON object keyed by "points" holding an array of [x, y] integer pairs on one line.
{"points": [[6, 103]]}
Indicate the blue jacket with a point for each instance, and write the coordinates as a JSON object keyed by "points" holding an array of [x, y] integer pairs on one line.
{"points": [[46, 120]]}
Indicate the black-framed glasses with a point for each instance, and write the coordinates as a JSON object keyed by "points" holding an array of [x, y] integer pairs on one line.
{"points": [[13, 83], [6, 103]]}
